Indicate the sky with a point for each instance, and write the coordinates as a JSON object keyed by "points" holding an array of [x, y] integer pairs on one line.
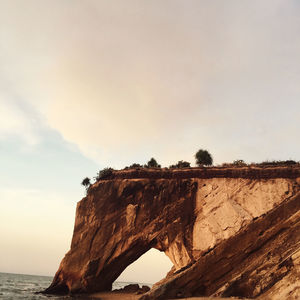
{"points": [[90, 84]]}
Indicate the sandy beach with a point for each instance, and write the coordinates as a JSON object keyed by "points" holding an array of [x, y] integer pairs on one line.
{"points": [[128, 296], [115, 296]]}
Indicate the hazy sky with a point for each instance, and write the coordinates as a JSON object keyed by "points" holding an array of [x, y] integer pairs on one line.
{"points": [[89, 84]]}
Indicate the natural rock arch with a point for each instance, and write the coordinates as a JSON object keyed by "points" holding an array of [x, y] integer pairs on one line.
{"points": [[121, 220], [192, 220]]}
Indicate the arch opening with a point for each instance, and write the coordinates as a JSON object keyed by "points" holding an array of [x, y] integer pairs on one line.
{"points": [[148, 269]]}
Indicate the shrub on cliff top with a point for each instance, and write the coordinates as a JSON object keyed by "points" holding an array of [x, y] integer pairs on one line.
{"points": [[181, 164], [239, 162], [203, 158], [104, 174], [277, 163], [152, 163], [134, 166]]}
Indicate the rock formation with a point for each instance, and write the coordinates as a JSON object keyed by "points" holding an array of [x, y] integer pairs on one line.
{"points": [[228, 232]]}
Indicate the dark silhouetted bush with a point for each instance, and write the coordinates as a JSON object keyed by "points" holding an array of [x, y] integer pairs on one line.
{"points": [[134, 166], [152, 163], [86, 182], [239, 162], [277, 163], [181, 164], [104, 174], [290, 162], [203, 158]]}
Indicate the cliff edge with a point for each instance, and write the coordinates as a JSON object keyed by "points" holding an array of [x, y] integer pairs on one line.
{"points": [[228, 232]]}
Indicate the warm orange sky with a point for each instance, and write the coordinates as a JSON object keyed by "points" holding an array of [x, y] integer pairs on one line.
{"points": [[89, 84]]}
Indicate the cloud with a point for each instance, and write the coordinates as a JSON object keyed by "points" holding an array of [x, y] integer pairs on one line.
{"points": [[129, 81], [15, 122]]}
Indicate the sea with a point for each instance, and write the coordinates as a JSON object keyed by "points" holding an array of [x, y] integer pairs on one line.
{"points": [[19, 286]]}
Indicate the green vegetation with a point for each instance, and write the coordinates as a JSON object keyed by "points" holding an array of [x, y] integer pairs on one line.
{"points": [[181, 164], [86, 182], [104, 174], [267, 163], [134, 166], [239, 162], [152, 163], [203, 158], [277, 162]]}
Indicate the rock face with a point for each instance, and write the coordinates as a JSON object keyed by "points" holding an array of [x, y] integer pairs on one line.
{"points": [[228, 232]]}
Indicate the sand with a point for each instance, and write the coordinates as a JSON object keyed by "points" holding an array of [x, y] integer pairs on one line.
{"points": [[115, 296], [125, 296]]}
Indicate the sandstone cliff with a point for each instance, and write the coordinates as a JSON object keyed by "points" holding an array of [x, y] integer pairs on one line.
{"points": [[228, 232]]}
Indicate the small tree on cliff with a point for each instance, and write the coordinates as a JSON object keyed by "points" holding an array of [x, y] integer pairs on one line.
{"points": [[152, 163], [203, 158], [86, 182]]}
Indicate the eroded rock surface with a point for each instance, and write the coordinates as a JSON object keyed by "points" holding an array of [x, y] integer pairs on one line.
{"points": [[228, 232]]}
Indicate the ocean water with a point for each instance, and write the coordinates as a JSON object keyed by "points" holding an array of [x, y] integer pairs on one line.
{"points": [[18, 286]]}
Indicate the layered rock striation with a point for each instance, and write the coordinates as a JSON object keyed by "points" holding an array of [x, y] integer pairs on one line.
{"points": [[228, 232]]}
